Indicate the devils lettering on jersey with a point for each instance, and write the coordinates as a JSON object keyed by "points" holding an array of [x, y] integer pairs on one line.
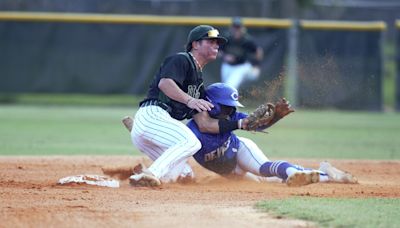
{"points": [[219, 152]]}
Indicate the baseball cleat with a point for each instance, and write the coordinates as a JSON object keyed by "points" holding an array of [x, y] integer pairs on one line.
{"points": [[337, 175], [186, 179], [144, 179], [128, 122], [138, 168], [302, 178]]}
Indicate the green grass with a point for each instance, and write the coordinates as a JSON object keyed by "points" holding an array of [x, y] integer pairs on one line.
{"points": [[48, 129], [70, 99], [332, 134], [331, 212], [51, 130]]}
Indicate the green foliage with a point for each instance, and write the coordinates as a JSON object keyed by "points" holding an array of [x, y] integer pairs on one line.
{"points": [[332, 212]]}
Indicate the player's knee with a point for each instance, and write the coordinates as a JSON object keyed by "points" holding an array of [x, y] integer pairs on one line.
{"points": [[249, 143], [193, 145], [197, 145]]}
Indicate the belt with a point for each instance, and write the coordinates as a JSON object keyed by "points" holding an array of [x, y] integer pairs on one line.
{"points": [[156, 103]]}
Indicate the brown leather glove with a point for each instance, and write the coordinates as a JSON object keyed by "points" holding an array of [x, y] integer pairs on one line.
{"points": [[260, 117], [282, 108]]}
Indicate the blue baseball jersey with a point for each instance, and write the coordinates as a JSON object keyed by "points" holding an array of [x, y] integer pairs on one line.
{"points": [[218, 151]]}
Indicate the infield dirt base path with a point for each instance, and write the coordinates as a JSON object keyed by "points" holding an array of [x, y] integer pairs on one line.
{"points": [[30, 196]]}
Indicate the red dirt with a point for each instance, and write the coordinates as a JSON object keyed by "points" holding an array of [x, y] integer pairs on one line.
{"points": [[30, 196]]}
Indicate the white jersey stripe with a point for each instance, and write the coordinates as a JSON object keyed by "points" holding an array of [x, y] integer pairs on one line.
{"points": [[153, 113], [145, 149], [155, 130], [148, 137]]}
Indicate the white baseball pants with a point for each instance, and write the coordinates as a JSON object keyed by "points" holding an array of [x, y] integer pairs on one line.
{"points": [[167, 141], [249, 157], [235, 75]]}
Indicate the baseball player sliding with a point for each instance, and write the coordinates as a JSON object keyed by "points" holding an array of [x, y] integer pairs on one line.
{"points": [[177, 93], [232, 156]]}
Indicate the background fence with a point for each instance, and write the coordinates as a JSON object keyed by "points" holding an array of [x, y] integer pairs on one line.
{"points": [[398, 65], [339, 66], [78, 53]]}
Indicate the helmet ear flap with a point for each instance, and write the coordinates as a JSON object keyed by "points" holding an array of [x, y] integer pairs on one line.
{"points": [[214, 112]]}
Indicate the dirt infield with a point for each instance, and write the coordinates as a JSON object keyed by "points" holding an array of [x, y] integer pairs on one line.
{"points": [[30, 196]]}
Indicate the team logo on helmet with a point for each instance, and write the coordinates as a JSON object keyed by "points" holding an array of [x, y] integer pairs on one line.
{"points": [[235, 96]]}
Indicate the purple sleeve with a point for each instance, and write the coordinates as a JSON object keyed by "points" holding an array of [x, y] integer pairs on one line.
{"points": [[238, 115]]}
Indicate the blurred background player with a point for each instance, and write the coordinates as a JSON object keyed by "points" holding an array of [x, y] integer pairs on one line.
{"points": [[231, 156], [241, 56]]}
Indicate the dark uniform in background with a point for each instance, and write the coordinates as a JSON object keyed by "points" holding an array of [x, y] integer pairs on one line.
{"points": [[241, 56]]}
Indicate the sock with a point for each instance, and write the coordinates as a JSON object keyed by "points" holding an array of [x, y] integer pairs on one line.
{"points": [[283, 169], [277, 169]]}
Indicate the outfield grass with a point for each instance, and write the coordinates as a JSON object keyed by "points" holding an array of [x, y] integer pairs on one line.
{"points": [[331, 212], [332, 134], [71, 99], [67, 130], [44, 129]]}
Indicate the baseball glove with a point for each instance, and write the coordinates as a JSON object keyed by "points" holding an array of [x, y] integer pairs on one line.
{"points": [[282, 108], [260, 117]]}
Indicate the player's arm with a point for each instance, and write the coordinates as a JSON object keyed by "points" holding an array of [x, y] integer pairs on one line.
{"points": [[259, 54], [172, 90], [207, 124], [256, 53]]}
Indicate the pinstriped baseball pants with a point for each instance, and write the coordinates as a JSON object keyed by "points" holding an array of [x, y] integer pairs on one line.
{"points": [[167, 141]]}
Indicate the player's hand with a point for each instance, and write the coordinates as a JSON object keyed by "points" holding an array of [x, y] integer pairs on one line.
{"points": [[199, 104], [283, 108]]}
